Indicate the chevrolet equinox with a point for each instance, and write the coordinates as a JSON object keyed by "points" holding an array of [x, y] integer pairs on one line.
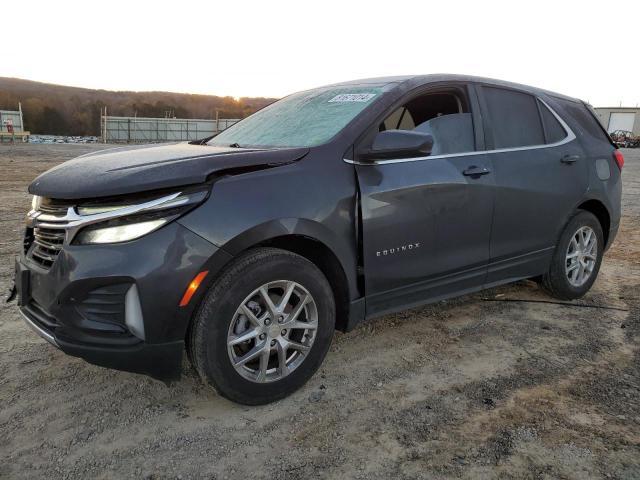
{"points": [[326, 208]]}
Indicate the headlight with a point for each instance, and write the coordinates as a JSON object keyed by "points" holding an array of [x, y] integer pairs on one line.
{"points": [[113, 223], [120, 233], [93, 210]]}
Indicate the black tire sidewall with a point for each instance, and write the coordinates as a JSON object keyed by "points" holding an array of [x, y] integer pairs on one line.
{"points": [[556, 280], [217, 312]]}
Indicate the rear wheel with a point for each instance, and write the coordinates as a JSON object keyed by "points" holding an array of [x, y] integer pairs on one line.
{"points": [[264, 327], [577, 258]]}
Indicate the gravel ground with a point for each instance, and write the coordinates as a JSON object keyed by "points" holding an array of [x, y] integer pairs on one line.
{"points": [[500, 384]]}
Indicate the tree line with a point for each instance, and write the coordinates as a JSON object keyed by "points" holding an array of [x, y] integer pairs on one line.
{"points": [[61, 110]]}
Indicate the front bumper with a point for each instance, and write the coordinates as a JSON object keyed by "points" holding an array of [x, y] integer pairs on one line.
{"points": [[117, 305], [39, 329], [160, 361]]}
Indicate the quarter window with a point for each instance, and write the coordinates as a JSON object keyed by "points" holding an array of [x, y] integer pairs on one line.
{"points": [[552, 128], [588, 127], [514, 117]]}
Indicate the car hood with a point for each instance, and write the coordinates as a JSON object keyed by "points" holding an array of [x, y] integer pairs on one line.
{"points": [[125, 170]]}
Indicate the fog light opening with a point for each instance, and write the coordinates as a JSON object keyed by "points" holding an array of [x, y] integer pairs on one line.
{"points": [[133, 312]]}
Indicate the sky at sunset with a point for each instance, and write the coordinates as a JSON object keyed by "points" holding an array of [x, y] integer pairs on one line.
{"points": [[271, 48]]}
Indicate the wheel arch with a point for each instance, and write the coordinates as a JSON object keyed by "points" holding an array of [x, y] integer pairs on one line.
{"points": [[316, 243], [323, 258], [599, 209]]}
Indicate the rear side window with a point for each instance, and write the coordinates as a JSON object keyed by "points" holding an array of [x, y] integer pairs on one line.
{"points": [[514, 117], [588, 126], [554, 132]]}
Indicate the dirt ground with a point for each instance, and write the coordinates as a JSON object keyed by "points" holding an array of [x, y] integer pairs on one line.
{"points": [[500, 384]]}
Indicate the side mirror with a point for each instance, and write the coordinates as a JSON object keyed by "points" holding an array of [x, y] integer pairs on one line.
{"points": [[399, 144]]}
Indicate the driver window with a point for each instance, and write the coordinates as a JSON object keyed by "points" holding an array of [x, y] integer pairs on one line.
{"points": [[401, 119], [445, 116]]}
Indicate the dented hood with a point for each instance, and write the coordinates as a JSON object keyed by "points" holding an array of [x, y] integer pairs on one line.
{"points": [[125, 170]]}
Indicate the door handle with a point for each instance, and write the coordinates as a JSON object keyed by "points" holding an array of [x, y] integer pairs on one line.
{"points": [[570, 159], [475, 171]]}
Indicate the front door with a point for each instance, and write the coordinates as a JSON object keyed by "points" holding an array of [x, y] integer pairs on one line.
{"points": [[426, 221]]}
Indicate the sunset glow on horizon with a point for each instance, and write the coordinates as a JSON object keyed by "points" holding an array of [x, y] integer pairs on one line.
{"points": [[270, 49]]}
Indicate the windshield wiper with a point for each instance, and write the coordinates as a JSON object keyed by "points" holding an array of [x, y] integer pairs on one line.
{"points": [[202, 141], [235, 145]]}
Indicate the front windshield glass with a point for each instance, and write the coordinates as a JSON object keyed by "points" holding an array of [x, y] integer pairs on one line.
{"points": [[304, 119]]}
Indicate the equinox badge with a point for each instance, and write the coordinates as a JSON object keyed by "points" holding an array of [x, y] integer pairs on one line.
{"points": [[393, 251]]}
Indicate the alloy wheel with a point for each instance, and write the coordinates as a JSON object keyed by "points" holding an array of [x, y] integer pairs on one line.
{"points": [[581, 256], [272, 331]]}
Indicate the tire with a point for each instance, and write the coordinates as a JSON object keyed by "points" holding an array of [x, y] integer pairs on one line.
{"points": [[230, 310], [558, 282]]}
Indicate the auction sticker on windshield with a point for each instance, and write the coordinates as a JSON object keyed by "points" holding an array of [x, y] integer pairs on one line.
{"points": [[352, 97]]}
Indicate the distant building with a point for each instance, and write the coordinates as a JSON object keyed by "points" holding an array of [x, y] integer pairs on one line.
{"points": [[12, 126], [620, 118]]}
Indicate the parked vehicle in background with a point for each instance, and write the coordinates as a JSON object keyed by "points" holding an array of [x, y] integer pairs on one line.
{"points": [[625, 139], [328, 207]]}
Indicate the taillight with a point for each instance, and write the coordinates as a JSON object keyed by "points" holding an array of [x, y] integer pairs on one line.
{"points": [[619, 158]]}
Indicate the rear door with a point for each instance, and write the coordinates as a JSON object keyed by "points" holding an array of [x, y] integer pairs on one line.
{"points": [[426, 222], [540, 174]]}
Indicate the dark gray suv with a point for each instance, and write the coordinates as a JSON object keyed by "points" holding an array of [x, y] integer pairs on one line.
{"points": [[328, 207]]}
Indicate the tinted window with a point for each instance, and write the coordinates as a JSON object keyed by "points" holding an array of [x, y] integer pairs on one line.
{"points": [[514, 117], [588, 125], [552, 128]]}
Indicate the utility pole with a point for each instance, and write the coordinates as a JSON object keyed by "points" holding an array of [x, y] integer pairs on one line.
{"points": [[104, 134], [21, 119]]}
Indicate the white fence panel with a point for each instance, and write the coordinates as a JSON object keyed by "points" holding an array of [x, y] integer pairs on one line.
{"points": [[153, 130]]}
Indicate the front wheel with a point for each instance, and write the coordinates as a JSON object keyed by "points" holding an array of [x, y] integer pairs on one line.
{"points": [[264, 327], [576, 259]]}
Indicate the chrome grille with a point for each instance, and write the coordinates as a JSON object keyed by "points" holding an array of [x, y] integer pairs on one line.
{"points": [[58, 210], [47, 241]]}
